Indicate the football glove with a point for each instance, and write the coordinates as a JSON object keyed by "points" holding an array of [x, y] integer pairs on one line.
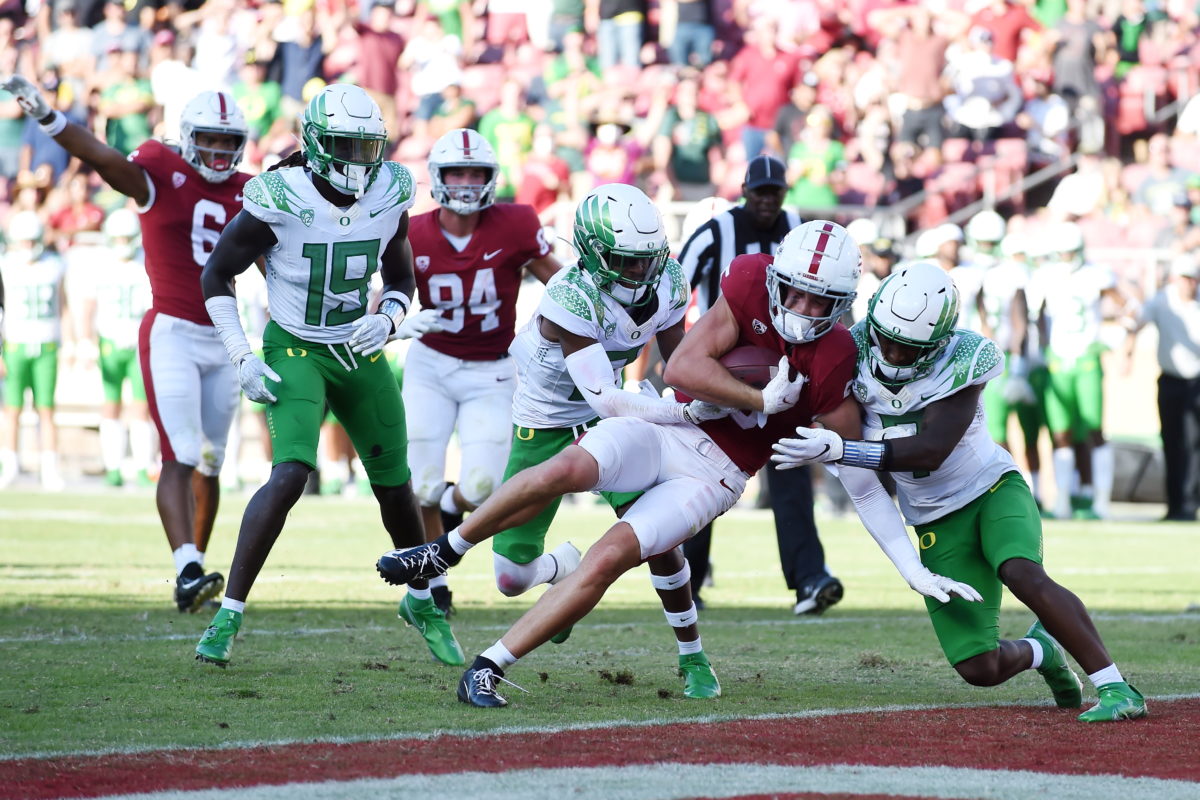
{"points": [[371, 332], [699, 411], [939, 588], [253, 375], [811, 446], [28, 96], [428, 320], [782, 392]]}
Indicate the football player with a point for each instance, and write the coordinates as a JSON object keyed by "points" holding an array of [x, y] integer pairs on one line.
{"points": [[920, 383], [470, 256], [326, 219], [36, 299], [185, 196], [689, 462]]}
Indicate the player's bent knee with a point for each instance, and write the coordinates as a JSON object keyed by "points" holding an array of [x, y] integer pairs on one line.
{"points": [[477, 485], [981, 670], [512, 579], [428, 485], [572, 470]]}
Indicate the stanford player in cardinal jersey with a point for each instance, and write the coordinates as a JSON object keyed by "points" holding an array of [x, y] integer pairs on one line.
{"points": [[185, 199], [469, 257]]}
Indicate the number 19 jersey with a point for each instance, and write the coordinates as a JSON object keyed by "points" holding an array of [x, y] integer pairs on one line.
{"points": [[320, 268]]}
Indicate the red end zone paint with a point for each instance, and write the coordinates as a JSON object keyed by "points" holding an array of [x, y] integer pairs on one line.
{"points": [[1035, 739]]}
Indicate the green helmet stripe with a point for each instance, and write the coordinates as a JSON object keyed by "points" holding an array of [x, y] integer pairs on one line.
{"points": [[946, 319]]}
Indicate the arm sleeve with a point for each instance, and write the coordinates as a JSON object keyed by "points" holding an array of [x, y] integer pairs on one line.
{"points": [[593, 374], [880, 517]]}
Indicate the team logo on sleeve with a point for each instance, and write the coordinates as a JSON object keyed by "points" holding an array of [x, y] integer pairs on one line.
{"points": [[422, 263], [860, 391], [759, 327], [306, 216], [177, 179]]}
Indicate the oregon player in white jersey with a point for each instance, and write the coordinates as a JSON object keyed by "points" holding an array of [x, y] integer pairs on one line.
{"points": [[325, 221], [33, 332], [1071, 292], [919, 381]]}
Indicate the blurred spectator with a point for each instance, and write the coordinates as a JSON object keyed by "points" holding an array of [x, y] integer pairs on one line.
{"points": [[1128, 30], [566, 16], [1083, 191], [509, 129], [456, 111], [216, 52], [1078, 44], [686, 31], [505, 25], [261, 100], [688, 144], [764, 76], [984, 97], [43, 162], [1175, 312], [573, 76], [545, 177], [789, 121], [433, 61], [12, 124], [1046, 120], [69, 46], [302, 48], [454, 18], [78, 213], [1007, 21], [815, 164], [613, 155], [172, 82], [617, 26], [1164, 184], [379, 49], [125, 103], [114, 35]]}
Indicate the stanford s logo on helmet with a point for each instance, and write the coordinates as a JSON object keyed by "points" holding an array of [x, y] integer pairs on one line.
{"points": [[463, 147], [212, 112], [917, 306], [819, 258]]}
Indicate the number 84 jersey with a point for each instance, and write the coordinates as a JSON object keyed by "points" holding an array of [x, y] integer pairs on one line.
{"points": [[320, 268], [975, 463]]}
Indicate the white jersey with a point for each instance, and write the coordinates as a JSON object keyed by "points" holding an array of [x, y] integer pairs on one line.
{"points": [[1072, 305], [122, 294], [968, 279], [32, 298], [546, 395], [319, 270], [1000, 285], [975, 463]]}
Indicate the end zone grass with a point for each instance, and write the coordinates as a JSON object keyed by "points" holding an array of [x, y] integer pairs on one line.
{"points": [[96, 658]]}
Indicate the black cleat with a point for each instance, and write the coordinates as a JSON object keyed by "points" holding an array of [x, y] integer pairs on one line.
{"points": [[193, 588], [819, 595], [399, 567], [442, 598], [478, 686]]}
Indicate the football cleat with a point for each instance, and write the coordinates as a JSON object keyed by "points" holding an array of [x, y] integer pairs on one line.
{"points": [[478, 687], [217, 641], [819, 595], [1063, 682], [1118, 701], [699, 680], [193, 588], [443, 598], [431, 623], [114, 478], [399, 567]]}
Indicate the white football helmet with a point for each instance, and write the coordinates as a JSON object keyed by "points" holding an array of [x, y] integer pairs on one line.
{"points": [[820, 258], [212, 112], [122, 229], [622, 242], [986, 226], [917, 306], [24, 234], [344, 137], [1065, 240], [463, 147]]}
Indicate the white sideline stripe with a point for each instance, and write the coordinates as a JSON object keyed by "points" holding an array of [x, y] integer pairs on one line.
{"points": [[700, 719], [655, 781], [56, 638]]}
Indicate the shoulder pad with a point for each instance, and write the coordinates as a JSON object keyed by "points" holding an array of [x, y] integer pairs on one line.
{"points": [[680, 290]]}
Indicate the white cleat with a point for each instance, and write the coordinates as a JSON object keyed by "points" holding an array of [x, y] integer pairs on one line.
{"points": [[566, 556]]}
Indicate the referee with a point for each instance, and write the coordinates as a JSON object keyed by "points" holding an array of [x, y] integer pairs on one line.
{"points": [[758, 226]]}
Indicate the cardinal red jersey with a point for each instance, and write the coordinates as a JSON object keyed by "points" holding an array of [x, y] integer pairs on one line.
{"points": [[477, 288], [181, 227], [829, 362]]}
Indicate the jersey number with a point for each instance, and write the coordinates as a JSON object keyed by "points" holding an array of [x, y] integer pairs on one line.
{"points": [[915, 419], [328, 276], [204, 238], [446, 291]]}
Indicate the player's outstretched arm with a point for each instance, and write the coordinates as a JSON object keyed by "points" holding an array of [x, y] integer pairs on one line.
{"points": [[118, 172]]}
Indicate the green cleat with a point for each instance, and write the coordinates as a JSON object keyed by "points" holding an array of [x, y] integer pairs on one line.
{"points": [[1063, 682], [562, 635], [113, 477], [1117, 701], [217, 640], [699, 680], [430, 622]]}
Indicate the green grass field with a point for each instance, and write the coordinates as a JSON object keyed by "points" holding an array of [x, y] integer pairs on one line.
{"points": [[95, 657]]}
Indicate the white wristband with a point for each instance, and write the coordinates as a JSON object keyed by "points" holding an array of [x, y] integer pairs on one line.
{"points": [[394, 305], [223, 310], [56, 125]]}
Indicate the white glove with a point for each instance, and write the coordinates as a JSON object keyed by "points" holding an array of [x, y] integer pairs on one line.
{"points": [[28, 96], [251, 374], [811, 446], [371, 332], [699, 411], [939, 588], [1017, 391], [428, 320], [782, 393]]}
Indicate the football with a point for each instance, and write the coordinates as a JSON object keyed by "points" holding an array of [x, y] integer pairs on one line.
{"points": [[751, 364]]}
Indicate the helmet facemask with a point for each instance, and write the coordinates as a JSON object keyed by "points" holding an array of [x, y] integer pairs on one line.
{"points": [[794, 326], [216, 114], [628, 276], [821, 259], [344, 138], [622, 243]]}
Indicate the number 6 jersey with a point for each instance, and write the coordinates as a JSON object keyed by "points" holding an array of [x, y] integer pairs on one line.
{"points": [[320, 268]]}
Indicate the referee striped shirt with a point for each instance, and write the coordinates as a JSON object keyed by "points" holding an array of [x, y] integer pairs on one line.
{"points": [[705, 257]]}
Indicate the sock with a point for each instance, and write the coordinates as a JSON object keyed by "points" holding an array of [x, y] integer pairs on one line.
{"points": [[687, 648], [440, 580], [1109, 674], [1102, 478], [8, 461], [234, 605], [499, 656], [1039, 652], [1064, 473], [457, 543], [184, 555], [49, 464], [447, 503], [141, 443], [112, 444], [200, 557], [419, 594]]}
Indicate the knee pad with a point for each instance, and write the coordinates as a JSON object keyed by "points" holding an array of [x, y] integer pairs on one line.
{"points": [[428, 485], [513, 579], [682, 619], [212, 458], [665, 583], [476, 485]]}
